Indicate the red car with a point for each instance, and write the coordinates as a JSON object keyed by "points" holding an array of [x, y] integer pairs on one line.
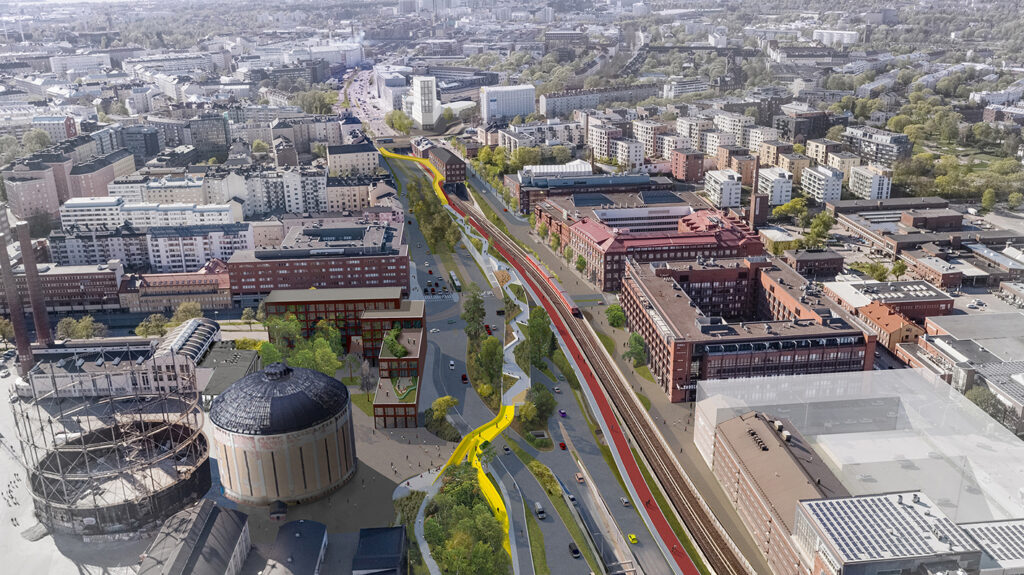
{"points": [[431, 272], [488, 328], [465, 379], [561, 446]]}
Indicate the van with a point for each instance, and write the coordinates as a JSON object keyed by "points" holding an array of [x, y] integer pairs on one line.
{"points": [[539, 510]]}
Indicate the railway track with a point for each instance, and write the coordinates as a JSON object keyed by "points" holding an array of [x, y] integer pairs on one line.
{"points": [[719, 552]]}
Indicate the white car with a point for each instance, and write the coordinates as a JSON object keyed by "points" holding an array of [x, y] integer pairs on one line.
{"points": [[451, 365], [435, 330]]}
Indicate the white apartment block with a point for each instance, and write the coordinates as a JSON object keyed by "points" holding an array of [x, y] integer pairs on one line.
{"points": [[732, 123], [552, 132], [836, 37], [822, 183], [693, 129], [78, 64], [775, 183], [871, 182], [353, 160], [754, 136], [424, 107], [628, 153], [294, 191], [599, 138], [644, 131], [712, 140], [186, 249], [676, 87], [844, 162], [665, 143], [506, 102], [114, 212], [723, 188]]}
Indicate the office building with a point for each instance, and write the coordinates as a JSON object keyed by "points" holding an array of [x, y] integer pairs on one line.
{"points": [[422, 101], [871, 182], [143, 142], [705, 319], [506, 102], [723, 188], [775, 183], [822, 184]]}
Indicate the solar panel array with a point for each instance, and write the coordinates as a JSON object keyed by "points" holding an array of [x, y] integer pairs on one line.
{"points": [[658, 197], [591, 200], [1003, 541], [881, 527]]}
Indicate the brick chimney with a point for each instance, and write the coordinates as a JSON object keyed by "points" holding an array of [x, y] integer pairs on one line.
{"points": [[35, 286], [25, 359]]}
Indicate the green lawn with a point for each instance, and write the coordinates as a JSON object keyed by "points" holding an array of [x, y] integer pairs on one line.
{"points": [[645, 372], [518, 291], [558, 503], [606, 451], [666, 509], [537, 550], [644, 400], [448, 261], [607, 342], [360, 400], [560, 361]]}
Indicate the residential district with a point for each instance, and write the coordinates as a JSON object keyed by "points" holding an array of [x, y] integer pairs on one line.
{"points": [[462, 287]]}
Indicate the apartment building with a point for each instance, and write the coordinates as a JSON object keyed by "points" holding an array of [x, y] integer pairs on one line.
{"points": [[421, 100], [90, 179], [878, 146], [560, 104], [627, 153], [31, 190], [794, 164], [551, 132], [86, 245], [687, 165], [723, 188], [693, 128], [348, 194], [184, 249], [775, 183], [506, 102], [819, 149], [451, 167], [676, 87], [844, 162], [822, 183], [645, 131], [769, 151], [68, 289], [353, 160], [59, 128], [871, 182], [732, 123], [291, 190], [600, 137], [714, 140], [113, 212]]}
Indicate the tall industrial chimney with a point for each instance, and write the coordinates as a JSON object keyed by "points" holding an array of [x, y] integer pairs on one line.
{"points": [[25, 359], [35, 286]]}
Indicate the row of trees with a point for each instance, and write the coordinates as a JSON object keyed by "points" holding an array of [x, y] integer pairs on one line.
{"points": [[485, 356], [316, 101], [84, 328], [879, 271], [157, 324], [818, 227], [398, 121], [434, 221]]}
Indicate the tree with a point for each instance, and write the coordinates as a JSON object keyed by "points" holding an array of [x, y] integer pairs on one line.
{"points": [[543, 400], [527, 412], [561, 154], [6, 331], [568, 253], [1014, 200], [284, 331], [581, 263], [988, 199], [248, 316], [637, 350], [317, 356], [261, 313], [793, 208], [875, 270], [35, 140], [539, 337], [398, 120], [351, 362], [320, 150], [326, 331], [615, 315], [491, 359], [85, 328], [367, 382], [542, 230], [985, 399], [898, 269], [248, 343], [835, 133], [185, 311], [270, 354], [441, 406], [153, 326], [473, 312], [260, 147]]}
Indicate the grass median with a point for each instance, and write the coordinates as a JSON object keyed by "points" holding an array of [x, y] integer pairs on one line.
{"points": [[537, 550]]}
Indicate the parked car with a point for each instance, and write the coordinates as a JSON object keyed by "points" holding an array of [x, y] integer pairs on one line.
{"points": [[451, 321], [434, 330], [487, 327]]}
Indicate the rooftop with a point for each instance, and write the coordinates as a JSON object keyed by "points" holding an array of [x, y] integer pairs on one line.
{"points": [[296, 549], [228, 364], [333, 294], [861, 293], [1001, 541], [887, 526], [379, 548], [199, 540]]}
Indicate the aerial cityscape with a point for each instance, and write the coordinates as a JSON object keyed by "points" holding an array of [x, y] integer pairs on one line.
{"points": [[453, 287]]}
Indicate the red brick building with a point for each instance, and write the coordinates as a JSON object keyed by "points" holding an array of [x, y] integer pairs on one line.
{"points": [[737, 317], [687, 165], [69, 289], [815, 263], [451, 166], [396, 402], [892, 328], [915, 299]]}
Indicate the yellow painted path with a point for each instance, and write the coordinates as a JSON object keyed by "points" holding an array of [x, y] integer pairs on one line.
{"points": [[470, 444]]}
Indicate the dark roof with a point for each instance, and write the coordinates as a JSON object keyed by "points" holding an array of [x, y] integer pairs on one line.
{"points": [[444, 156], [278, 399], [379, 548], [199, 540], [297, 548], [351, 149]]}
